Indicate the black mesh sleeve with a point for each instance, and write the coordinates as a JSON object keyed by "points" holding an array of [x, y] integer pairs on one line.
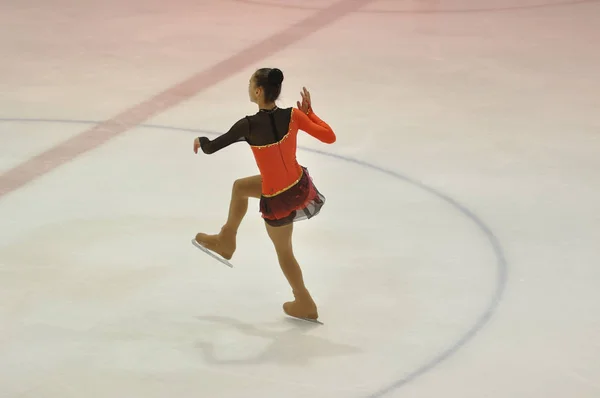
{"points": [[238, 132]]}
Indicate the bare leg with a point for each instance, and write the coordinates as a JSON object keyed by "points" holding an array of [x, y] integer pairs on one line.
{"points": [[303, 306], [224, 243]]}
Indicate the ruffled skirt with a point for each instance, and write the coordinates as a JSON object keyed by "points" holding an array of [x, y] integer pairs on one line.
{"points": [[300, 202]]}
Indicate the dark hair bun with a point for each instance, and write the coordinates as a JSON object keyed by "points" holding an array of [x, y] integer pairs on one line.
{"points": [[275, 76]]}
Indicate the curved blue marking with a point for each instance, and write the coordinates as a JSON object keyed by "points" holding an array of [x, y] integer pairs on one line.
{"points": [[501, 264]]}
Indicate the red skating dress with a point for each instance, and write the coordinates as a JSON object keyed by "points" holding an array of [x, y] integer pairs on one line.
{"points": [[288, 192]]}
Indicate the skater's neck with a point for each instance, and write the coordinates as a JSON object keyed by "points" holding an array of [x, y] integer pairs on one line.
{"points": [[266, 106]]}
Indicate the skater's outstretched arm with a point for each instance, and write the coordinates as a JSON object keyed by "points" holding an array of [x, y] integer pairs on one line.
{"points": [[309, 122], [314, 126], [238, 132]]}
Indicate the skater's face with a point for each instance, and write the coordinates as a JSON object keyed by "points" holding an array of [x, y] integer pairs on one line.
{"points": [[254, 91]]}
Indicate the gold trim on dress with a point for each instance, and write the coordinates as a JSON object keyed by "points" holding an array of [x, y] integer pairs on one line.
{"points": [[286, 188], [282, 138], [273, 144]]}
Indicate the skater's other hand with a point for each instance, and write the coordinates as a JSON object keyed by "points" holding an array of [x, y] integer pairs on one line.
{"points": [[306, 105], [198, 142]]}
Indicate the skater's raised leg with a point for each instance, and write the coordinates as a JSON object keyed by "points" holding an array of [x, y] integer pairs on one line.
{"points": [[303, 306], [225, 242]]}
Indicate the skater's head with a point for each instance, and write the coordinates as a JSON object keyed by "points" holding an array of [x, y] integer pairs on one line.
{"points": [[265, 86]]}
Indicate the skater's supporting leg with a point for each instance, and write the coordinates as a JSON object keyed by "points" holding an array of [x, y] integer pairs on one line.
{"points": [[225, 242], [303, 306]]}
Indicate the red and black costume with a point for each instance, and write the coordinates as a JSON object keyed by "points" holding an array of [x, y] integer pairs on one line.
{"points": [[288, 193]]}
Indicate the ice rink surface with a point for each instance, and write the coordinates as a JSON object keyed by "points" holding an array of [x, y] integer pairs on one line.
{"points": [[458, 254]]}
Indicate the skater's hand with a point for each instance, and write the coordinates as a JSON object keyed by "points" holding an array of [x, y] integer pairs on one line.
{"points": [[196, 145], [306, 105]]}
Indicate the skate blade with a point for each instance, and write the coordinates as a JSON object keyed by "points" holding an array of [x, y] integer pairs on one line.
{"points": [[213, 255], [307, 320]]}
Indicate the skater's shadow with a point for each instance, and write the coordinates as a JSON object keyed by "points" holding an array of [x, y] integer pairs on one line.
{"points": [[292, 347]]}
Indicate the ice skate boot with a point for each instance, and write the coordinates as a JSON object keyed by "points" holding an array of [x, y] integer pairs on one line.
{"points": [[223, 244], [303, 307]]}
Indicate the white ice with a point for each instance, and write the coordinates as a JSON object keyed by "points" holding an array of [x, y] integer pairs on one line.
{"points": [[458, 254]]}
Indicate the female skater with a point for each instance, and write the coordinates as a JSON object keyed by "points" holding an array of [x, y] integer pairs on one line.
{"points": [[285, 189]]}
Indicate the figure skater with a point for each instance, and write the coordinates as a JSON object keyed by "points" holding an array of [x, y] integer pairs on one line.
{"points": [[285, 189]]}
